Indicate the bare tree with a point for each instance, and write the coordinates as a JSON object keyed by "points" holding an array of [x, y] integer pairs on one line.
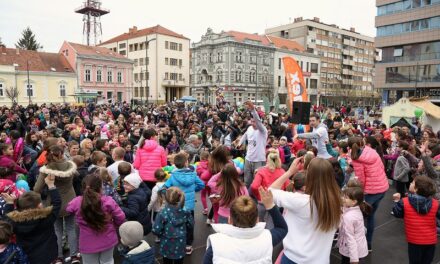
{"points": [[12, 93]]}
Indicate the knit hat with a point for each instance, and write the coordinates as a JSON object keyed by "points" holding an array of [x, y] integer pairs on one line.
{"points": [[283, 138], [131, 233], [133, 179]]}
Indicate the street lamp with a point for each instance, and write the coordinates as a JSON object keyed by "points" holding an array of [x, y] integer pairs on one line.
{"points": [[28, 84], [147, 42]]}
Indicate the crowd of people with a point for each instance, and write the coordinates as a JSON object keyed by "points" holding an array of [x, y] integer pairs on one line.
{"points": [[93, 181]]}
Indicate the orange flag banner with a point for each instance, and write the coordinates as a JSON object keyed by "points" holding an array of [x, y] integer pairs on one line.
{"points": [[296, 87]]}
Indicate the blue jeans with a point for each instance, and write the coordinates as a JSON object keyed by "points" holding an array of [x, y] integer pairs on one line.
{"points": [[286, 260], [373, 200]]}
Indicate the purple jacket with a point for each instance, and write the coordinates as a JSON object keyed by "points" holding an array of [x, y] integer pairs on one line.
{"points": [[91, 241], [8, 162]]}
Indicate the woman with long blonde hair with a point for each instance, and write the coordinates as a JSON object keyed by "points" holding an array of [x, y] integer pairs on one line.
{"points": [[312, 217], [264, 177]]}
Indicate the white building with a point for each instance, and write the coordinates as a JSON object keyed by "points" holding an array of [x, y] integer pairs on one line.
{"points": [[161, 62]]}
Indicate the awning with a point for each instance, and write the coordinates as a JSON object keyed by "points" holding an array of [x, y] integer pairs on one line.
{"points": [[428, 107]]}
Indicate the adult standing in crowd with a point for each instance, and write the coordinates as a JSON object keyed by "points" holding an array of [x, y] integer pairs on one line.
{"points": [[319, 136]]}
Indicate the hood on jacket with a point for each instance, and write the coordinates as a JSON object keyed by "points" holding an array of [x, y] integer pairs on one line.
{"points": [[139, 249], [368, 155], [30, 214], [420, 203], [150, 145], [184, 177], [238, 232], [63, 169]]}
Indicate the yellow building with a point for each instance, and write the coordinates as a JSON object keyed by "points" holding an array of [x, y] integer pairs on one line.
{"points": [[38, 77]]}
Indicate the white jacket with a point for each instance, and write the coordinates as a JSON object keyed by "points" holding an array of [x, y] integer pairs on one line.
{"points": [[234, 245]]}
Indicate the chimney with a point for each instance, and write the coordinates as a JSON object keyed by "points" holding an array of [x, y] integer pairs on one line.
{"points": [[352, 29], [316, 19], [298, 19], [132, 30], [17, 51]]}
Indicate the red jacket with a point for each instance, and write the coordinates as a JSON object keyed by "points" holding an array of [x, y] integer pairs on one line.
{"points": [[420, 229], [265, 177], [203, 171], [297, 146], [148, 159]]}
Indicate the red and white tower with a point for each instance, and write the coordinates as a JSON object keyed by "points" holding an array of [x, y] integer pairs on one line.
{"points": [[92, 28]]}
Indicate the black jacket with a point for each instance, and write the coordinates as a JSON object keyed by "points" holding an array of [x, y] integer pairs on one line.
{"points": [[35, 231], [136, 207]]}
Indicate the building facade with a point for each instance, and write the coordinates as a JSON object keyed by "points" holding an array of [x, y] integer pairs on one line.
{"points": [[101, 73], [38, 77], [161, 62], [408, 32], [347, 59]]}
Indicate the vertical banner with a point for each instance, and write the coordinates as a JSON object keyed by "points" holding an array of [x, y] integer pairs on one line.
{"points": [[296, 87]]}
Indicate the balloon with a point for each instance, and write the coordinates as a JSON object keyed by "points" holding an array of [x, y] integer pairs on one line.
{"points": [[418, 112]]}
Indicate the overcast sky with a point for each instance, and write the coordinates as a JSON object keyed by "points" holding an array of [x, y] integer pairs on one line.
{"points": [[55, 20]]}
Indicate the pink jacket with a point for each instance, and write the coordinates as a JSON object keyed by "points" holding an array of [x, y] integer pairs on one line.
{"points": [[8, 162], [203, 171], [91, 241], [148, 159], [370, 171], [265, 177], [352, 242]]}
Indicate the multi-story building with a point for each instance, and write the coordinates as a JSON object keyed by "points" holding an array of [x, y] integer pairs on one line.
{"points": [[408, 32], [242, 66], [347, 59], [101, 73], [35, 77], [161, 62]]}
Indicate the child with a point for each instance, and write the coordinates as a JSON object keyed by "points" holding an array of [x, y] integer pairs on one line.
{"points": [[173, 146], [286, 150], [204, 174], [124, 169], [135, 249], [172, 225], [128, 146], [98, 159], [228, 185], [33, 224], [107, 185], [81, 170], [98, 217], [244, 239], [419, 212], [138, 198], [64, 171], [156, 203], [10, 253], [402, 169], [6, 160], [352, 241], [189, 183], [298, 184]]}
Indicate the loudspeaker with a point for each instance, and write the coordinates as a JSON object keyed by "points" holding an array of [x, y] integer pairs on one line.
{"points": [[300, 112]]}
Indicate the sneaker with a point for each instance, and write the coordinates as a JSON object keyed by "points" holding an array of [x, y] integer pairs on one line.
{"points": [[205, 211], [58, 261], [189, 250], [208, 221], [75, 259], [370, 249]]}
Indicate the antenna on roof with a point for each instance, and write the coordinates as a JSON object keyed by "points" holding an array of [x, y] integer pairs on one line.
{"points": [[92, 12]]}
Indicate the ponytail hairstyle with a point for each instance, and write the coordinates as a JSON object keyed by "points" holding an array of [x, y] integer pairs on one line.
{"points": [[91, 205], [230, 185], [147, 135], [356, 144], [357, 194], [54, 152], [175, 197], [273, 159]]}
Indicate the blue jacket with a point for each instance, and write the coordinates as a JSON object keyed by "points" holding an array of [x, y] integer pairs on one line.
{"points": [[186, 180], [142, 254], [136, 207], [19, 256], [170, 226]]}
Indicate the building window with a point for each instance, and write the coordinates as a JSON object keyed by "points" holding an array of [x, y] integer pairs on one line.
{"points": [[122, 52], [136, 92], [411, 26], [109, 76], [279, 64], [119, 77], [314, 67], [238, 76], [166, 76], [180, 77], [174, 46], [238, 57], [173, 62], [99, 75], [62, 90], [279, 81], [180, 62], [135, 62], [252, 76], [173, 76], [141, 62], [313, 84], [87, 75], [29, 90], [166, 44], [1, 89], [122, 45], [180, 47], [166, 61], [219, 76]]}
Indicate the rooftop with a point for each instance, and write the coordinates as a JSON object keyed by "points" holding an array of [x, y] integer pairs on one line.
{"points": [[135, 33], [95, 51], [38, 61]]}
